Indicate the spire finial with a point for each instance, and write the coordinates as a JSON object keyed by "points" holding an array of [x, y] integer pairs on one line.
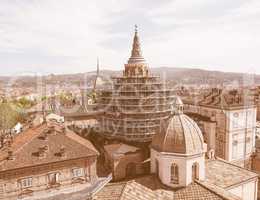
{"points": [[136, 55]]}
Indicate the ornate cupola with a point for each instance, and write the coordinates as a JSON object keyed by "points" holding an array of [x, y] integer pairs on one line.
{"points": [[136, 65], [178, 149]]}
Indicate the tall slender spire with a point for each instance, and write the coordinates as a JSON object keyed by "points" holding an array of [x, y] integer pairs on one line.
{"points": [[136, 66], [136, 55], [97, 75]]}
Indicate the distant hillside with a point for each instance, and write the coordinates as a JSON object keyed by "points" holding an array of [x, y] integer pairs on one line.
{"points": [[172, 75], [193, 76], [199, 76]]}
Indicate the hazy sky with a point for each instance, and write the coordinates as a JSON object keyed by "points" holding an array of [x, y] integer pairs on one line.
{"points": [[52, 36]]}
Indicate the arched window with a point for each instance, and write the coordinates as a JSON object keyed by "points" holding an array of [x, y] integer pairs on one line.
{"points": [[195, 171], [174, 174]]}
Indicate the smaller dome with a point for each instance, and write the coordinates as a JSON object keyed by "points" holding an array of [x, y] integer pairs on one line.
{"points": [[179, 134]]}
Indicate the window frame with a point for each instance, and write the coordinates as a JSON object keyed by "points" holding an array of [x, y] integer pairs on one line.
{"points": [[77, 175], [26, 182], [174, 174], [56, 174]]}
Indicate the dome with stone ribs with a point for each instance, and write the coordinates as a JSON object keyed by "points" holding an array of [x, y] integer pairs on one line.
{"points": [[179, 134]]}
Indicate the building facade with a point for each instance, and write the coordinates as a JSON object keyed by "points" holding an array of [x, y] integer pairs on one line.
{"points": [[44, 161], [228, 124], [125, 161]]}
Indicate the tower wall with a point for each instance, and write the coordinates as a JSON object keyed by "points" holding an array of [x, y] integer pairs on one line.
{"points": [[164, 162]]}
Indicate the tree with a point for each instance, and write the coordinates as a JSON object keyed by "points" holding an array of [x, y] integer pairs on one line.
{"points": [[25, 103], [9, 116]]}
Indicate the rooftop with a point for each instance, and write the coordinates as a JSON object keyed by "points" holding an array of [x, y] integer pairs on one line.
{"points": [[225, 175], [219, 98], [179, 135], [149, 187], [120, 149], [42, 145]]}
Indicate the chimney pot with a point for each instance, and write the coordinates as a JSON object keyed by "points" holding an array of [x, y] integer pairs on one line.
{"points": [[62, 152], [43, 150], [10, 155]]}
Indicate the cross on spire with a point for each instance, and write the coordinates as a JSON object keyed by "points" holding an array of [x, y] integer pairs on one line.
{"points": [[136, 28]]}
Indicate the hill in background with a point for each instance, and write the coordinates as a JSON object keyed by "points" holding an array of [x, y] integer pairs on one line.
{"points": [[171, 74]]}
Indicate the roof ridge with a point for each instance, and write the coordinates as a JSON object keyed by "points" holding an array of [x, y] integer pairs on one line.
{"points": [[195, 126], [186, 118], [122, 191], [183, 132], [224, 161], [166, 132], [37, 130], [218, 191], [82, 142]]}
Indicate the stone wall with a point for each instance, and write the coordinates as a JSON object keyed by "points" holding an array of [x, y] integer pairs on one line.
{"points": [[127, 166]]}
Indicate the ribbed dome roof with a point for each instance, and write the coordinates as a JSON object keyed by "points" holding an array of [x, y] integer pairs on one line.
{"points": [[179, 134]]}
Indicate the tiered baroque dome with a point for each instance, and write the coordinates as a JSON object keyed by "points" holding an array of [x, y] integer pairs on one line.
{"points": [[137, 102]]}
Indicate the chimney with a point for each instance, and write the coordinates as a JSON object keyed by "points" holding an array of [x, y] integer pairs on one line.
{"points": [[9, 143], [45, 136], [30, 125], [42, 151], [62, 152], [10, 155], [46, 148], [63, 129], [212, 99], [52, 129], [220, 91]]}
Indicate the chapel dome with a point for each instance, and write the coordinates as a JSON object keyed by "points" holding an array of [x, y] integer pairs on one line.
{"points": [[179, 134]]}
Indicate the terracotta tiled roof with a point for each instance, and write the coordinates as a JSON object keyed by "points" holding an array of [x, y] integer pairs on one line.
{"points": [[52, 141], [225, 175], [147, 188], [196, 191], [111, 191], [134, 190], [126, 191], [225, 98]]}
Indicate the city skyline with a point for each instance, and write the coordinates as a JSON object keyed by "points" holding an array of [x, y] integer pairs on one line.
{"points": [[48, 37], [141, 125]]}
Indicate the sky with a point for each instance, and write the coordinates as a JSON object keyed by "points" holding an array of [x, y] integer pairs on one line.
{"points": [[51, 36]]}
